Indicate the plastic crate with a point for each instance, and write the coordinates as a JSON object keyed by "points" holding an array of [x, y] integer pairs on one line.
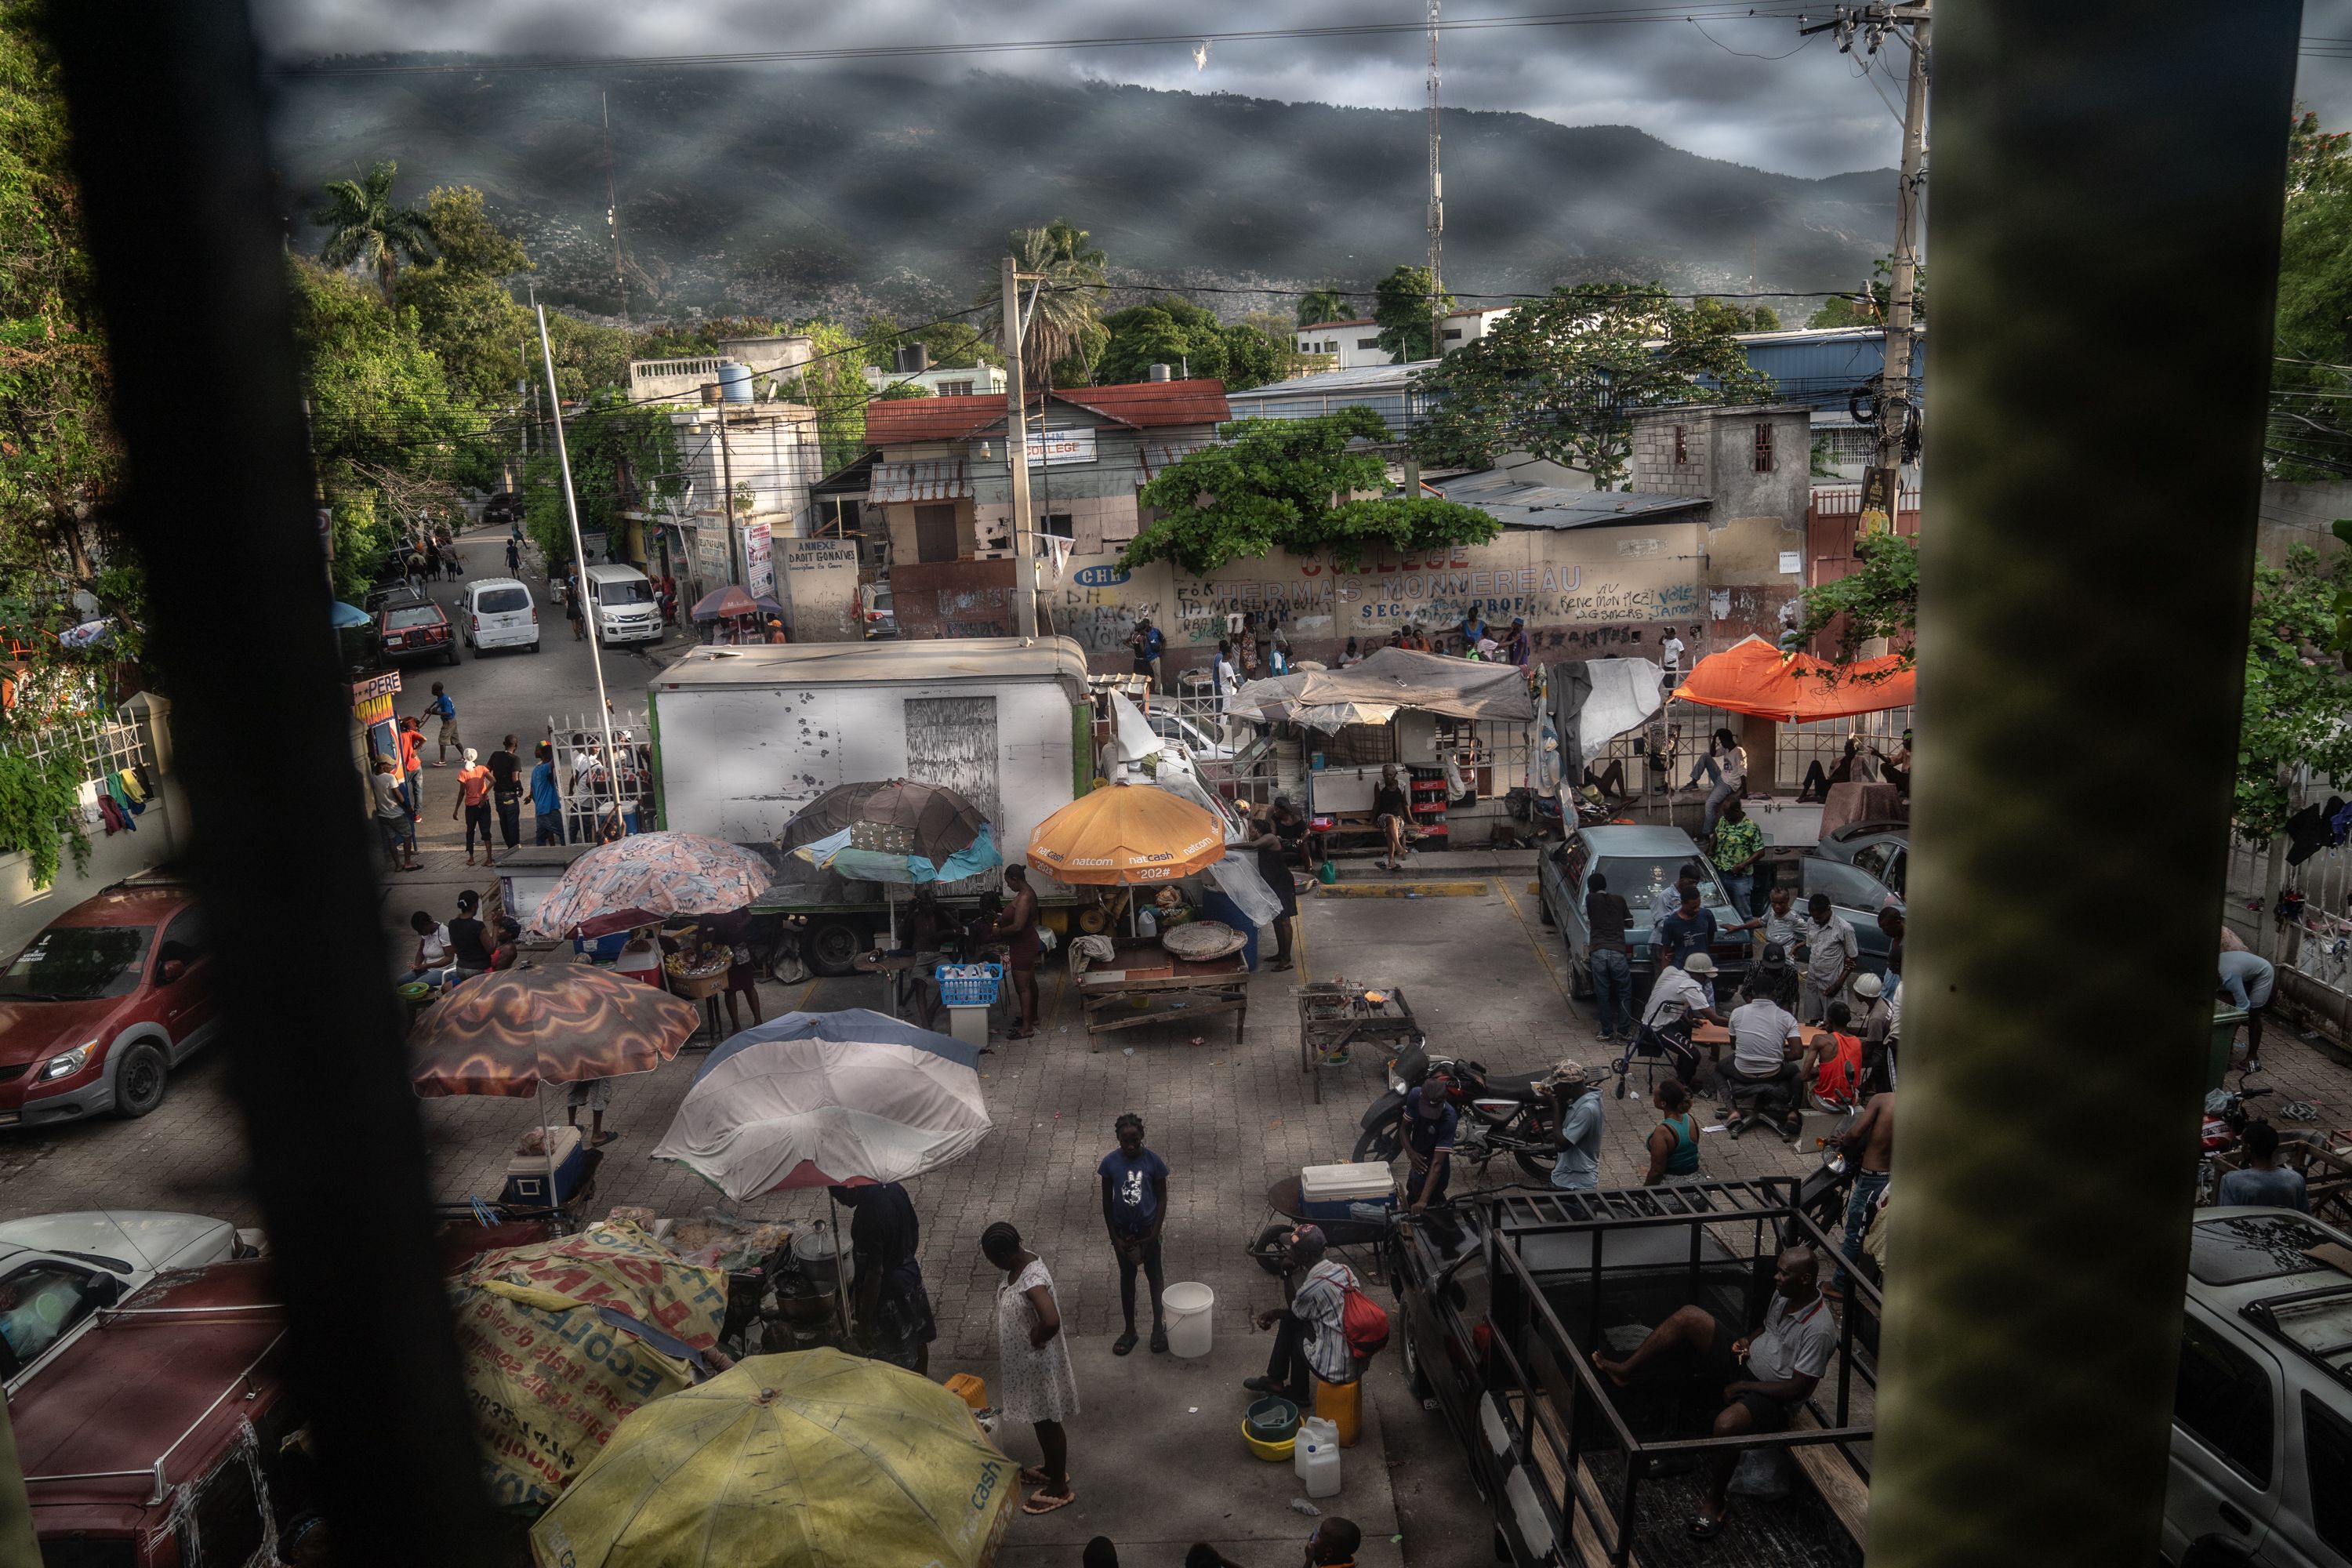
{"points": [[969, 984]]}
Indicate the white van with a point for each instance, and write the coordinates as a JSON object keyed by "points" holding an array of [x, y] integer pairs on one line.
{"points": [[498, 612], [622, 605]]}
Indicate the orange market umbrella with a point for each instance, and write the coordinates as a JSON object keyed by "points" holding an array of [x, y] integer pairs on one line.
{"points": [[1752, 677], [1126, 832]]}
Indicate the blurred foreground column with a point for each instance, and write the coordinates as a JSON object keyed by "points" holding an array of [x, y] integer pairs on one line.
{"points": [[2104, 246]]}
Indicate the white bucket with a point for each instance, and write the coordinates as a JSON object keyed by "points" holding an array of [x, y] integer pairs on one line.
{"points": [[1189, 1306]]}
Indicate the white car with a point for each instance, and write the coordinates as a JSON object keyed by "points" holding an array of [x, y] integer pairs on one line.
{"points": [[57, 1270], [2261, 1420], [498, 612]]}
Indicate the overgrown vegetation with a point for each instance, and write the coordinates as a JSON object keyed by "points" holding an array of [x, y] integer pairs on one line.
{"points": [[1879, 599], [2297, 705], [40, 811], [1562, 377], [1299, 485]]}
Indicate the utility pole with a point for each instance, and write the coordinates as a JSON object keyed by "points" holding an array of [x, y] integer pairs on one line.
{"points": [[579, 555], [1882, 482], [1436, 208], [1016, 457], [613, 212], [727, 488]]}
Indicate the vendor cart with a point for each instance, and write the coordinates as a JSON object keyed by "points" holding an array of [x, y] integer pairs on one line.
{"points": [[1146, 984], [1355, 1241], [1338, 1018]]}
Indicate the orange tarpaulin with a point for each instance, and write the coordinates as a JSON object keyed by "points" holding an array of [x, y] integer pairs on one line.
{"points": [[1755, 678]]}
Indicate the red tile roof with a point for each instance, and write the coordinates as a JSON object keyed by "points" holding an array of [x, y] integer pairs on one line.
{"points": [[1141, 404]]}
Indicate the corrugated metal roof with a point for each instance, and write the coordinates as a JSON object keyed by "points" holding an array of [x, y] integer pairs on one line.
{"points": [[896, 420], [859, 664], [941, 479], [1519, 505], [1141, 404], [1159, 455]]}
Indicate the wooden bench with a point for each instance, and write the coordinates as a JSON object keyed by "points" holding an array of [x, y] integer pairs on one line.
{"points": [[1834, 1477]]}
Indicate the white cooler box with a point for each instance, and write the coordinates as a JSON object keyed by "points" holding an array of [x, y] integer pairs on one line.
{"points": [[1345, 1192], [527, 1174]]}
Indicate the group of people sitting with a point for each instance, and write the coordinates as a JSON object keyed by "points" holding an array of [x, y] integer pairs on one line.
{"points": [[460, 949]]}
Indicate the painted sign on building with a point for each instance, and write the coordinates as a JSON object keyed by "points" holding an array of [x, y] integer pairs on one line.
{"points": [[1076, 445], [713, 560], [820, 588]]}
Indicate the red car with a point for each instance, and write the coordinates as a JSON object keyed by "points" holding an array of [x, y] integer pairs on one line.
{"points": [[96, 1013], [415, 629]]}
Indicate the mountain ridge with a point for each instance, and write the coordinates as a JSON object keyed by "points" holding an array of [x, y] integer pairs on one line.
{"points": [[789, 193]]}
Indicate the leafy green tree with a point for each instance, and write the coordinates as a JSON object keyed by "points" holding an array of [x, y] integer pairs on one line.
{"points": [[1169, 330], [2298, 699], [1292, 484], [1066, 336], [1880, 598], [366, 227], [831, 384], [465, 310], [390, 437], [2309, 438], [1317, 306], [1868, 308], [1403, 307], [1736, 318], [590, 357], [1561, 377], [623, 456], [61, 468]]}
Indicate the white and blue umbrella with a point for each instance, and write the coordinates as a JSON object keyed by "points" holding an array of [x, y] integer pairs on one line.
{"points": [[835, 852], [826, 1099]]}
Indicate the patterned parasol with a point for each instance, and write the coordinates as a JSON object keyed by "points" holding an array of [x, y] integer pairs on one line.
{"points": [[506, 1032], [637, 880], [895, 816], [728, 601]]}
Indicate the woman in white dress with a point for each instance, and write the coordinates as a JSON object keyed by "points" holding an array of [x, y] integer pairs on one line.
{"points": [[1034, 1379]]}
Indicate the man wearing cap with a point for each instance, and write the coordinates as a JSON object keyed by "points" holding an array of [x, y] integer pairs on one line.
{"points": [[1683, 990], [1308, 1341], [1875, 1022], [1148, 645], [1578, 1167]]}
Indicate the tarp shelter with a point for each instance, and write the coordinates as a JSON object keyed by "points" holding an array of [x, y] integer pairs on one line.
{"points": [[1395, 678], [1752, 677]]}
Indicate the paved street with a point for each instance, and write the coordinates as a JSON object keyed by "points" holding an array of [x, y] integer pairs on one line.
{"points": [[1482, 972]]}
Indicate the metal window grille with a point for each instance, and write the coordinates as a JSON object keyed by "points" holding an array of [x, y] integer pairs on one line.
{"points": [[1763, 448], [594, 792], [1682, 448], [106, 746]]}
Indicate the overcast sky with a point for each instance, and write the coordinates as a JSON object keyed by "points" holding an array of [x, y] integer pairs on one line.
{"points": [[1808, 113]]}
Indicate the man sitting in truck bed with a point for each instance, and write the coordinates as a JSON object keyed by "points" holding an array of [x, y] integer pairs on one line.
{"points": [[1763, 1379]]}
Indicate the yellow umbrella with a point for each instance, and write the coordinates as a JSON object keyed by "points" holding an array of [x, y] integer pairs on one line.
{"points": [[1126, 832], [814, 1459]]}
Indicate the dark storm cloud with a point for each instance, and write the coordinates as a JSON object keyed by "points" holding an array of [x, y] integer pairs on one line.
{"points": [[1696, 86]]}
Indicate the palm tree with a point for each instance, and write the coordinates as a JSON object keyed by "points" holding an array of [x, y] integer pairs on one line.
{"points": [[1066, 319], [366, 228], [1317, 306]]}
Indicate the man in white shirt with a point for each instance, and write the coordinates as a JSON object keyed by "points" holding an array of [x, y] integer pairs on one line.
{"points": [[1670, 656], [1764, 1044], [1831, 952], [1681, 992], [1763, 1379]]}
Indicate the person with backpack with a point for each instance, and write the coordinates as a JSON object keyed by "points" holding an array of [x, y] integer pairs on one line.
{"points": [[1312, 1336]]}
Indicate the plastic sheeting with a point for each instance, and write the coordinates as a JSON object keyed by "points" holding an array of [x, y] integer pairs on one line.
{"points": [[1754, 678], [1625, 691], [1394, 678]]}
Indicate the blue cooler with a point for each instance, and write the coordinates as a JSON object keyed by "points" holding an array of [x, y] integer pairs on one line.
{"points": [[1362, 1192], [527, 1174]]}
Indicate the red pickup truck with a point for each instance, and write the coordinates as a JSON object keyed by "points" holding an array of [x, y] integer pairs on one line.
{"points": [[99, 1008]]}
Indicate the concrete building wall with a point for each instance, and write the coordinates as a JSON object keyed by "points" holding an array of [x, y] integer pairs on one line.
{"points": [[161, 836], [2293, 513]]}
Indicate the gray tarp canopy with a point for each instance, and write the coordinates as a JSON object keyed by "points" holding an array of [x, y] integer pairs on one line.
{"points": [[1396, 677]]}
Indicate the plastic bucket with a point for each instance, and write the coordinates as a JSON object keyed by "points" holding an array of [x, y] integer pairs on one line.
{"points": [[1188, 1305]]}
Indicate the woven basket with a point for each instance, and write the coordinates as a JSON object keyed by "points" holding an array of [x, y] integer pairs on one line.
{"points": [[1199, 940]]}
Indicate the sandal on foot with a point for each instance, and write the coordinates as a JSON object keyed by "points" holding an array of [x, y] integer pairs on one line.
{"points": [[1159, 1340], [1043, 1501], [1033, 1476], [1703, 1528], [1124, 1343]]}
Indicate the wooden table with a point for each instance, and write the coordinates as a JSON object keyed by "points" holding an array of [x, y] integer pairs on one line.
{"points": [[900, 969], [1334, 1017], [1149, 985]]}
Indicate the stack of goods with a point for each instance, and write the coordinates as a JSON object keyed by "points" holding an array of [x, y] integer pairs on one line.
{"points": [[699, 966]]}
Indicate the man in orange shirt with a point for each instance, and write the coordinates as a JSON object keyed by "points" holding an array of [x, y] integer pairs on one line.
{"points": [[474, 798]]}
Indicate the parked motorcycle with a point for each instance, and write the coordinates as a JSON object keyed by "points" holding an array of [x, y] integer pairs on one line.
{"points": [[1498, 1113]]}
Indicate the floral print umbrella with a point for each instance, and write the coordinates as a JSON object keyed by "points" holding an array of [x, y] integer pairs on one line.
{"points": [[636, 880], [506, 1032]]}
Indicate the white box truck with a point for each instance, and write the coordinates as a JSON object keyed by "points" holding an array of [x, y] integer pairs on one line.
{"points": [[745, 737]]}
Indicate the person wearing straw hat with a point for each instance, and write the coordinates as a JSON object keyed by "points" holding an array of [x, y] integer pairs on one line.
{"points": [[1577, 1169]]}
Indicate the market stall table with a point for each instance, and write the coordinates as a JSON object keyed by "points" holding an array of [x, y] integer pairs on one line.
{"points": [[1145, 985], [904, 973], [1341, 1015]]}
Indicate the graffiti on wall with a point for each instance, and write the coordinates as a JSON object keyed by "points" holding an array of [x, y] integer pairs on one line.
{"points": [[953, 598]]}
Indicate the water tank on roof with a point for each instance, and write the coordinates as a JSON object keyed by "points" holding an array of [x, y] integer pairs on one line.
{"points": [[735, 382], [911, 359], [1161, 373]]}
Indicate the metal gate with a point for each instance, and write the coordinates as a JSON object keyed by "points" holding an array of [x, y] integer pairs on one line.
{"points": [[603, 801]]}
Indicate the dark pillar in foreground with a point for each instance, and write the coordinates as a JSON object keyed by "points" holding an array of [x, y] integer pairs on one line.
{"points": [[183, 227], [2105, 248]]}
